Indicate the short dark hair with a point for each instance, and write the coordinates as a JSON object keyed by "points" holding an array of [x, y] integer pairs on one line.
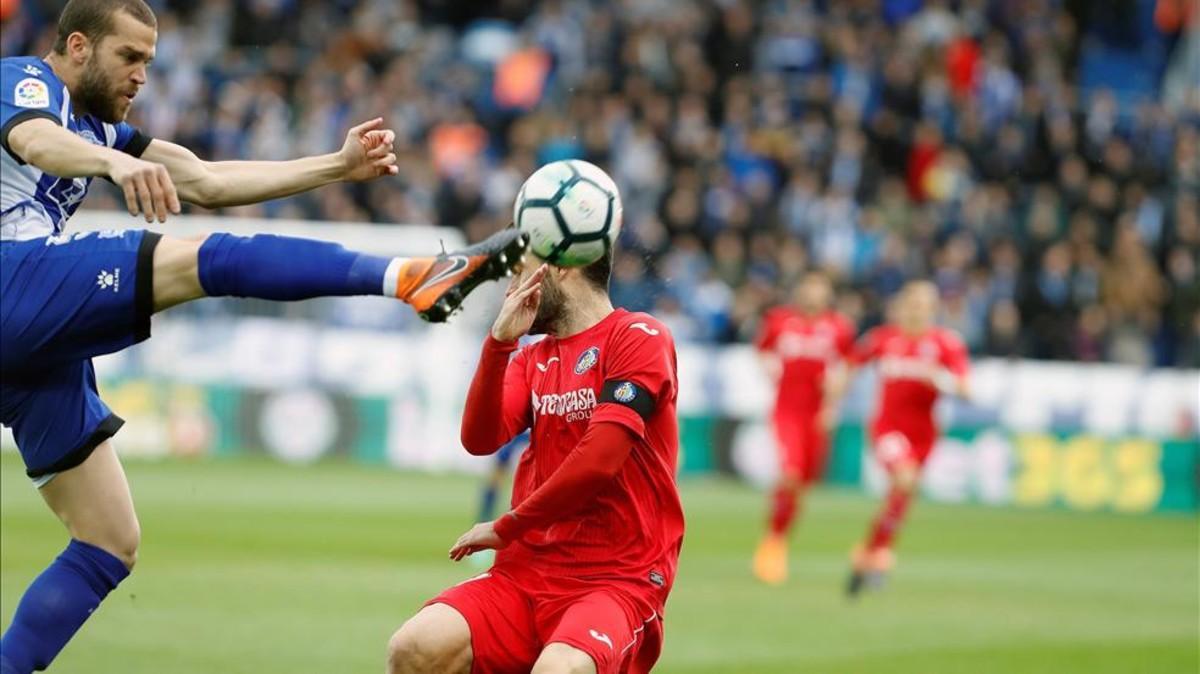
{"points": [[598, 272], [93, 18]]}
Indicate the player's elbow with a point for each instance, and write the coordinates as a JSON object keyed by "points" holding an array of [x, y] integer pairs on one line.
{"points": [[602, 475], [205, 190], [31, 149]]}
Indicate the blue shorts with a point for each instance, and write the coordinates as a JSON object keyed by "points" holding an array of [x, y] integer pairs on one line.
{"points": [[64, 300]]}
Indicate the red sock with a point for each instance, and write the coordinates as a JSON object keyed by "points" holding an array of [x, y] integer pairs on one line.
{"points": [[891, 516], [783, 510]]}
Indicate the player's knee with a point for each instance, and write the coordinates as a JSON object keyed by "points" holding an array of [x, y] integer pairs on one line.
{"points": [[406, 654], [121, 541], [564, 659], [124, 544], [412, 650], [791, 481], [906, 477], [176, 271]]}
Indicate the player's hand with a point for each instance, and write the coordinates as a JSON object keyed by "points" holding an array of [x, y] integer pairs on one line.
{"points": [[148, 187], [944, 381], [368, 152], [482, 536], [828, 418], [520, 307]]}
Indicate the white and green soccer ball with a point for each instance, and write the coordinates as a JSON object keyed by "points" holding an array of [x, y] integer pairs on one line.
{"points": [[571, 211]]}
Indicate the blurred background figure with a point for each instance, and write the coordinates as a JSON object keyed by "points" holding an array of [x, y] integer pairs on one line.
{"points": [[918, 362], [802, 347]]}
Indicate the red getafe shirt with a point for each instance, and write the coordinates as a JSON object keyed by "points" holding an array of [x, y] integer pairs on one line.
{"points": [[805, 345], [620, 371], [906, 365]]}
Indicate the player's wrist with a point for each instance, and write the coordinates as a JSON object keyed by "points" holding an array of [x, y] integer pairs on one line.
{"points": [[109, 161], [507, 527], [334, 167], [501, 338], [944, 381]]}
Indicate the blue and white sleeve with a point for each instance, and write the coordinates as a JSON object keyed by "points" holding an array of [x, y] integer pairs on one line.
{"points": [[129, 139], [27, 92]]}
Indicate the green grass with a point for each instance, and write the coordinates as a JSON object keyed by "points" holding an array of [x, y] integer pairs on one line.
{"points": [[256, 568]]}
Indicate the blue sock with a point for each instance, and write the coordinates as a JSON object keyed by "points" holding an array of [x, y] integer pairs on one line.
{"points": [[56, 605], [487, 507], [284, 268]]}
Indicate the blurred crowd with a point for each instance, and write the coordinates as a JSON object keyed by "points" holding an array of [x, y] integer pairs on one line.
{"points": [[1038, 159]]}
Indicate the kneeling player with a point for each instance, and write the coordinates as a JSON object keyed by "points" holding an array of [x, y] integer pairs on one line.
{"points": [[588, 554], [918, 361]]}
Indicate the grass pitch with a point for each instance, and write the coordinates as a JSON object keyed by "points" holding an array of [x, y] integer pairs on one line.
{"points": [[256, 568]]}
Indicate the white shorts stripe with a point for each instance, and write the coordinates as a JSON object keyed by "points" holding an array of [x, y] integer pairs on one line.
{"points": [[645, 622]]}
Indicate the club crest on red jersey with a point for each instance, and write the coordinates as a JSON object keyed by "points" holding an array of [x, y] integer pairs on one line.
{"points": [[587, 360]]}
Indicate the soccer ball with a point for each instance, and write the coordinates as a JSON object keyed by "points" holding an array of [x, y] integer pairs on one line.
{"points": [[571, 211]]}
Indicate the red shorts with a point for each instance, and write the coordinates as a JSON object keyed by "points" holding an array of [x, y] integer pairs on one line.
{"points": [[512, 621], [803, 446], [894, 447]]}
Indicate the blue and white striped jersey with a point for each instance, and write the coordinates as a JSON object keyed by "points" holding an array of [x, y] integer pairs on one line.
{"points": [[32, 203]]}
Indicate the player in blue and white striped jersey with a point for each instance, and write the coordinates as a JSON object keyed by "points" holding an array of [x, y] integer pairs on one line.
{"points": [[66, 298]]}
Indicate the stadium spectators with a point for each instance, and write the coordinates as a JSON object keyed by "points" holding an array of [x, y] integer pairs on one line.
{"points": [[1039, 160]]}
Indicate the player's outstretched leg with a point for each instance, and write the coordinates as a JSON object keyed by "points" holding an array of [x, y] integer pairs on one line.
{"points": [[286, 268], [94, 503]]}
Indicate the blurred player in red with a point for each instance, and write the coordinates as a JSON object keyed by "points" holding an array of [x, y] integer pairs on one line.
{"points": [[588, 553], [803, 347], [918, 362]]}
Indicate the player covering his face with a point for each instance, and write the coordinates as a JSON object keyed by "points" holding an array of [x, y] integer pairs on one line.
{"points": [[587, 554]]}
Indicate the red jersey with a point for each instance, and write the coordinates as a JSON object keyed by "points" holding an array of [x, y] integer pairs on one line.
{"points": [[805, 345], [632, 530], [907, 366]]}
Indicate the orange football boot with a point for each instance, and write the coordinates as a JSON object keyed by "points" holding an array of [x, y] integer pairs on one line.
{"points": [[771, 560], [436, 286]]}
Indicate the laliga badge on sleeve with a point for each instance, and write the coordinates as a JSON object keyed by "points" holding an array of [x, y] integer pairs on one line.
{"points": [[31, 93]]}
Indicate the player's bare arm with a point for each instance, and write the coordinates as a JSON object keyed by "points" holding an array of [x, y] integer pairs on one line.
{"points": [[951, 384], [837, 380], [366, 154], [949, 380], [771, 365], [147, 186], [154, 184]]}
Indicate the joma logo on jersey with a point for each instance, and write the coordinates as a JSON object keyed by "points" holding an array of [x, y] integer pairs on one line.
{"points": [[574, 405]]}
